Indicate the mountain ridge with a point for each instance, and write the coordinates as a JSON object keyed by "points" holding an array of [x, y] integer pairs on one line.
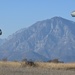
{"points": [[47, 39]]}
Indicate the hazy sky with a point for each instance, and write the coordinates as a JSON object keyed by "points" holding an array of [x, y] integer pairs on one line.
{"points": [[17, 14]]}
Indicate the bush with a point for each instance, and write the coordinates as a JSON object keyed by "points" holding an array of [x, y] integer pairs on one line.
{"points": [[25, 63], [55, 61], [4, 59]]}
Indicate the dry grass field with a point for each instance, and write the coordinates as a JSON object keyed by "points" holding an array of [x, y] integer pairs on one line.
{"points": [[41, 68], [57, 65]]}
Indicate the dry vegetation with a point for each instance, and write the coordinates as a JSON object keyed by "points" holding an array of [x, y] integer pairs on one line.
{"points": [[57, 65], [41, 68], [39, 64], [10, 64]]}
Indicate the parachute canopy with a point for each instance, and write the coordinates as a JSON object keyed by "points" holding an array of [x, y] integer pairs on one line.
{"points": [[0, 32], [73, 14]]}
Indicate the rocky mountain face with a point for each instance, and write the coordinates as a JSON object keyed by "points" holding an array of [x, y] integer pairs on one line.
{"points": [[2, 41], [45, 40]]}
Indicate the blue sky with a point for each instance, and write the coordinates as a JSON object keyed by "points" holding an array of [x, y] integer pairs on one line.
{"points": [[18, 14]]}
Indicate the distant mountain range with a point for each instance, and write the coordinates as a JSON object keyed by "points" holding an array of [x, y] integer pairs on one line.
{"points": [[45, 40]]}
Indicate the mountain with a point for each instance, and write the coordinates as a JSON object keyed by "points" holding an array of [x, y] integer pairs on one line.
{"points": [[2, 41], [42, 41]]}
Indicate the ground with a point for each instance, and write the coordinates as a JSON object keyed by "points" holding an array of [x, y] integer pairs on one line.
{"points": [[16, 68], [34, 71]]}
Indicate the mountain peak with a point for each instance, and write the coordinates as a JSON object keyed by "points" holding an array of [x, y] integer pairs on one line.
{"points": [[47, 39], [58, 18]]}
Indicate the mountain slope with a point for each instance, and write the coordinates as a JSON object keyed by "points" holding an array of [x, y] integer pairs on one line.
{"points": [[47, 39], [2, 41]]}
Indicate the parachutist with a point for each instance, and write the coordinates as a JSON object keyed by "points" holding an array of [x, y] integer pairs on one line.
{"points": [[73, 14], [0, 32]]}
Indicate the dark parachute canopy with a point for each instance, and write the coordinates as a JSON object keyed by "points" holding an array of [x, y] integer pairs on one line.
{"points": [[0, 32]]}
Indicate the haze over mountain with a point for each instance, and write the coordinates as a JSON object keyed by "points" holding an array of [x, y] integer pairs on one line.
{"points": [[43, 41]]}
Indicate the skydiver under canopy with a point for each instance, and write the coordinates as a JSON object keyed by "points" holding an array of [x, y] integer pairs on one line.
{"points": [[0, 32], [73, 14]]}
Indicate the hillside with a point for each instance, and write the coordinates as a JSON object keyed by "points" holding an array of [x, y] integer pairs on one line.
{"points": [[42, 41]]}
